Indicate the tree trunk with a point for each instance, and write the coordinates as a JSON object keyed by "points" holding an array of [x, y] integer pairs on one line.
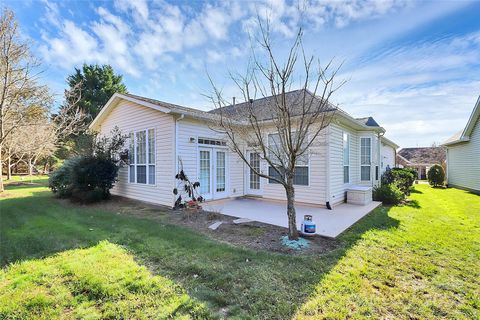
{"points": [[291, 213], [30, 169], [1, 169], [9, 168]]}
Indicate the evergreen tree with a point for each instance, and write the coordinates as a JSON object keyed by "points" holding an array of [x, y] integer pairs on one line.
{"points": [[98, 84]]}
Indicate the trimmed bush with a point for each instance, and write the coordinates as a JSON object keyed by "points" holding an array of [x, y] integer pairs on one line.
{"points": [[403, 178], [388, 194], [436, 176]]}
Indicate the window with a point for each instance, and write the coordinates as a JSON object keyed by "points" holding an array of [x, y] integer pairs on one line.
{"points": [[346, 157], [213, 142], [278, 155], [131, 158], [141, 154], [376, 172], [365, 158]]}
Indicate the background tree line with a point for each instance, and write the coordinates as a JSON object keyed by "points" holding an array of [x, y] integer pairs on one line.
{"points": [[35, 133]]}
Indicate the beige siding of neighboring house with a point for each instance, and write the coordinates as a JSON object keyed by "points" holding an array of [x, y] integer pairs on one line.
{"points": [[188, 153], [463, 162], [337, 186], [315, 192], [129, 116]]}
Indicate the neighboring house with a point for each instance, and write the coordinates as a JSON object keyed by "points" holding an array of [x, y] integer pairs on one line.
{"points": [[164, 137], [421, 159], [463, 154]]}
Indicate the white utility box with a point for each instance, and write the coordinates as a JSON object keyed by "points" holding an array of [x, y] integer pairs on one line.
{"points": [[361, 195]]}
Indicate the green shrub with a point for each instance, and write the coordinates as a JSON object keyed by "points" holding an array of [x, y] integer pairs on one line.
{"points": [[436, 176], [59, 180], [92, 178], [89, 178], [388, 194], [84, 179], [403, 178]]}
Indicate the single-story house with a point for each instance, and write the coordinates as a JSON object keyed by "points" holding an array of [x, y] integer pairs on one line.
{"points": [[463, 154], [421, 159], [165, 137]]}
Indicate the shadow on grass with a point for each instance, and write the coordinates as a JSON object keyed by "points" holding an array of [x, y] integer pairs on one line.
{"points": [[413, 204], [242, 283], [415, 191]]}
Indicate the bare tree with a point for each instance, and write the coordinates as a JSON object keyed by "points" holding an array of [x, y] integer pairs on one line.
{"points": [[19, 87], [28, 128], [283, 127]]}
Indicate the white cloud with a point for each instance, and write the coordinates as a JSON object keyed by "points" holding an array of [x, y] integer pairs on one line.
{"points": [[73, 46], [139, 8], [51, 13]]}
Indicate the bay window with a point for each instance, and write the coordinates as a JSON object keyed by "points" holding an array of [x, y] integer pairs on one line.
{"points": [[365, 158], [142, 157]]}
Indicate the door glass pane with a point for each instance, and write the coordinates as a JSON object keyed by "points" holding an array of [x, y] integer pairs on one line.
{"points": [[204, 172], [220, 187], [254, 178]]}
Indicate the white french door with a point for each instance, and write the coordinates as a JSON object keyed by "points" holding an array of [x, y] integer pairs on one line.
{"points": [[253, 180], [212, 173]]}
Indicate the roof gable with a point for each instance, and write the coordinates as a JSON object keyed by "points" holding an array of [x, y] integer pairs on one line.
{"points": [[464, 135]]}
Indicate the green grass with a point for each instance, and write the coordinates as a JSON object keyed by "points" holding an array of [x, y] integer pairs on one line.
{"points": [[418, 261], [91, 283]]}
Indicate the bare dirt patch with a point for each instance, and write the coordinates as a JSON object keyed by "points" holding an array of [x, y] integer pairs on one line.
{"points": [[253, 235]]}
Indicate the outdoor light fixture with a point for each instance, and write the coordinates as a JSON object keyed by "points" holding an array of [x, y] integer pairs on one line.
{"points": [[192, 139]]}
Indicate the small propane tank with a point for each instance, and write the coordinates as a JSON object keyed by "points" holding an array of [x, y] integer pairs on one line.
{"points": [[308, 226]]}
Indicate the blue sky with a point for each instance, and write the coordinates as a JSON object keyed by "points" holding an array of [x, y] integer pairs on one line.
{"points": [[413, 65]]}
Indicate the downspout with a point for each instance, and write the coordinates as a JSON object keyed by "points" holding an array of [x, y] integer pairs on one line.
{"points": [[176, 142], [379, 154], [327, 171]]}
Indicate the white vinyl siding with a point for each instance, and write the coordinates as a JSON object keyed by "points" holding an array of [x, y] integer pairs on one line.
{"points": [[131, 117], [188, 153], [276, 154], [337, 187], [463, 162], [315, 192], [387, 158]]}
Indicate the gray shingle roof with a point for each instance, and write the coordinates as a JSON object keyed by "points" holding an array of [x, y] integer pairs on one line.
{"points": [[424, 155], [264, 107]]}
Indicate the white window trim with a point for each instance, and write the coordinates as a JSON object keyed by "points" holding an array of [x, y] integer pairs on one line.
{"points": [[147, 184], [303, 166], [364, 165], [349, 157]]}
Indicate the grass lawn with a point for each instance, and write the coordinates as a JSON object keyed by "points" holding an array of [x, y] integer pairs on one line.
{"points": [[419, 261], [72, 283]]}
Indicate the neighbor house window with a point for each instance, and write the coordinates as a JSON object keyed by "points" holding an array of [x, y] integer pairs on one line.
{"points": [[276, 153], [346, 157], [142, 157], [365, 158]]}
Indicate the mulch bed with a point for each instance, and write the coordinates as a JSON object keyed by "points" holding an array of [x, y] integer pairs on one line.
{"points": [[253, 235]]}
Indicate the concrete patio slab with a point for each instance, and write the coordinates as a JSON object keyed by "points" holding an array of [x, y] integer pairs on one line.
{"points": [[330, 223]]}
